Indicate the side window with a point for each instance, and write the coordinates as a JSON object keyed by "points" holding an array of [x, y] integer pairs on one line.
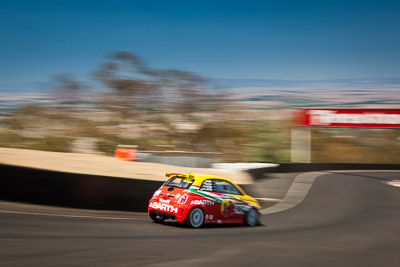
{"points": [[207, 185], [226, 187]]}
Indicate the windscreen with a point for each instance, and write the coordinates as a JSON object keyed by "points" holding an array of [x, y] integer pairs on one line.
{"points": [[180, 182]]}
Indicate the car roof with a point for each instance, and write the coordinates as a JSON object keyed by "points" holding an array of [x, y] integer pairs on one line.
{"points": [[198, 178]]}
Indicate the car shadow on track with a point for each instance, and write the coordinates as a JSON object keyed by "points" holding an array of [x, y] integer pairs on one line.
{"points": [[207, 226]]}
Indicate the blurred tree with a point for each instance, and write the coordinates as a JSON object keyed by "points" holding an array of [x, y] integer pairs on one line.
{"points": [[66, 88], [129, 87], [24, 115], [134, 85], [182, 88]]}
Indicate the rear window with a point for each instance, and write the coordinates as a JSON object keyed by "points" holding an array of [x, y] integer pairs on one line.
{"points": [[179, 182]]}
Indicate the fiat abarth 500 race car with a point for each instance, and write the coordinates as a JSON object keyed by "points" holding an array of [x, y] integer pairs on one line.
{"points": [[201, 199]]}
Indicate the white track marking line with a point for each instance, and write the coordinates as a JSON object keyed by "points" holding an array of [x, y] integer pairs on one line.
{"points": [[64, 215], [302, 184], [296, 193], [394, 183], [344, 171]]}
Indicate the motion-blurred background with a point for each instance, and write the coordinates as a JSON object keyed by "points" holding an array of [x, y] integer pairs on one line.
{"points": [[197, 76]]}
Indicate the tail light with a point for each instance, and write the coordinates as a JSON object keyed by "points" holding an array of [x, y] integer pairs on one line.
{"points": [[156, 194]]}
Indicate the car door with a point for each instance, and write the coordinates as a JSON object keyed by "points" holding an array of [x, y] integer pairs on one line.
{"points": [[213, 209], [230, 200]]}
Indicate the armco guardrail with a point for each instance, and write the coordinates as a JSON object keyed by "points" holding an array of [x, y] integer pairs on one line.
{"points": [[260, 173], [74, 190]]}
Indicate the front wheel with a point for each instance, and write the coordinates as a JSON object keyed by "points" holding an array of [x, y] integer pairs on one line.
{"points": [[156, 218], [252, 218], [195, 218]]}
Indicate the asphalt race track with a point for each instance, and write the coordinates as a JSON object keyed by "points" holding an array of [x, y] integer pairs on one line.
{"points": [[346, 219]]}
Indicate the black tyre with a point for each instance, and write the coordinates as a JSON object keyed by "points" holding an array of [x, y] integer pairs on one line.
{"points": [[195, 218], [252, 218], [156, 218]]}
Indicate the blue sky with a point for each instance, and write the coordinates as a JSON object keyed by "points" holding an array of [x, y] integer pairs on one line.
{"points": [[284, 40]]}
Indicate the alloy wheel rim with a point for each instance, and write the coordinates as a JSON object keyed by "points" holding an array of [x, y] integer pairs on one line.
{"points": [[197, 218], [252, 217]]}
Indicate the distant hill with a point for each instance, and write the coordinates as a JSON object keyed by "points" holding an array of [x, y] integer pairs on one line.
{"points": [[257, 85]]}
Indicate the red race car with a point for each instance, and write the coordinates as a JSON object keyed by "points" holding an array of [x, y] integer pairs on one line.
{"points": [[199, 199]]}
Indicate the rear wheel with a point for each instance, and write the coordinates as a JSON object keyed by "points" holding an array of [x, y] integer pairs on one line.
{"points": [[252, 218], [195, 218], [156, 218]]}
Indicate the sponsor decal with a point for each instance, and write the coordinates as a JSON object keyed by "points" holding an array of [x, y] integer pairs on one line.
{"points": [[168, 194], [218, 198], [241, 209], [229, 197], [219, 221], [328, 117], [385, 118], [164, 201], [208, 195], [183, 199], [202, 202], [227, 208], [177, 196], [163, 207]]}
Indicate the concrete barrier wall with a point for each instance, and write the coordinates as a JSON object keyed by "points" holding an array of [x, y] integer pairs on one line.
{"points": [[184, 159], [31, 185], [260, 173], [74, 190]]}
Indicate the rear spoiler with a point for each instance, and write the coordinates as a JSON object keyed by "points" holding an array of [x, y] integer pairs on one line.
{"points": [[184, 175]]}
